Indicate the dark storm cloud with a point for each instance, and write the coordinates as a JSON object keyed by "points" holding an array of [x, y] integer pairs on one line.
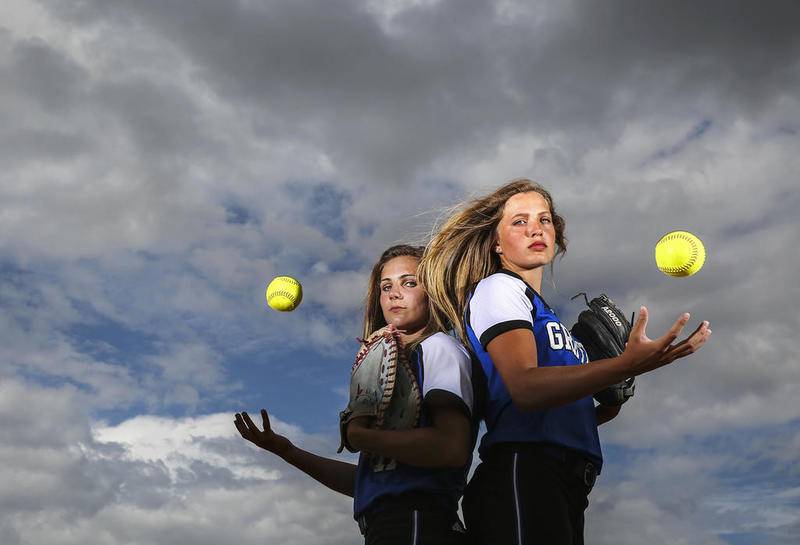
{"points": [[159, 117], [46, 81], [34, 144], [45, 75], [59, 109], [451, 75]]}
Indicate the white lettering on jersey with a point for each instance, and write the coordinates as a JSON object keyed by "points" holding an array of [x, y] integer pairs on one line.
{"points": [[580, 353], [568, 337], [554, 333], [560, 338]]}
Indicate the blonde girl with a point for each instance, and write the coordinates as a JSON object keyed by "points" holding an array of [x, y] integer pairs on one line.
{"points": [[539, 458]]}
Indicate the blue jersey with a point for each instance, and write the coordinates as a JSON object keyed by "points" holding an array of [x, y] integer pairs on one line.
{"points": [[440, 364], [503, 302]]}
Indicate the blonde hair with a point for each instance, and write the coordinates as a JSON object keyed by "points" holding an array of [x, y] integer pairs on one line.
{"points": [[461, 253], [373, 314]]}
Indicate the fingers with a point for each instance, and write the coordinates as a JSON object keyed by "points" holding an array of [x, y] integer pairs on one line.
{"points": [[362, 421], [265, 420], [674, 331], [239, 425], [679, 324], [641, 323], [689, 345], [699, 337], [247, 420]]}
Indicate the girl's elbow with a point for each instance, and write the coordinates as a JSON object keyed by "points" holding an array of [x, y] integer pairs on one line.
{"points": [[458, 458], [524, 401], [452, 456]]}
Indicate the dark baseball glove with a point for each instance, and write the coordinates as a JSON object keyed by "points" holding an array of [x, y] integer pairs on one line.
{"points": [[603, 331], [382, 387]]}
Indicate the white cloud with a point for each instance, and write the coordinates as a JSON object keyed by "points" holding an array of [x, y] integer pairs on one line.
{"points": [[151, 479]]}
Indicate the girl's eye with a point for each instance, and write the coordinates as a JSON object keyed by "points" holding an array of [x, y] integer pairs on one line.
{"points": [[411, 283], [386, 287], [546, 220], [518, 222]]}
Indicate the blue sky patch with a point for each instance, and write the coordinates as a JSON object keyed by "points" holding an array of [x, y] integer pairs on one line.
{"points": [[695, 133]]}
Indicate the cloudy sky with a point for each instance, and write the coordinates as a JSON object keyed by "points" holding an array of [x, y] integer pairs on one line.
{"points": [[162, 160]]}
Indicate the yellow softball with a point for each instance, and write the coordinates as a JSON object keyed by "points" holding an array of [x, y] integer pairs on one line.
{"points": [[680, 253], [284, 293]]}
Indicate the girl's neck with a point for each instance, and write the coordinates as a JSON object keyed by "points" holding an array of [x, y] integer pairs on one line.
{"points": [[533, 277], [407, 338]]}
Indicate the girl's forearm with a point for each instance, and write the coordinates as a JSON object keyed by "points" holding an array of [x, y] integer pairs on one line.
{"points": [[338, 476], [538, 388], [421, 447]]}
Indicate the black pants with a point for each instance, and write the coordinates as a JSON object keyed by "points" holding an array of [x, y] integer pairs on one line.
{"points": [[412, 520], [527, 495]]}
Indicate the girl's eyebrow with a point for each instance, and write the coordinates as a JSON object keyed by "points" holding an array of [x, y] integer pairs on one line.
{"points": [[543, 212], [400, 278]]}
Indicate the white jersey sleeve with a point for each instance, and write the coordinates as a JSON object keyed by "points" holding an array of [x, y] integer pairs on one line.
{"points": [[447, 366], [499, 304]]}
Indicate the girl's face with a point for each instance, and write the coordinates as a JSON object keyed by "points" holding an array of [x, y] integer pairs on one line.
{"points": [[403, 301], [526, 237]]}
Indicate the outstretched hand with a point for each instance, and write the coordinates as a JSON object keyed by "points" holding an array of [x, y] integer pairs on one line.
{"points": [[267, 439], [643, 354]]}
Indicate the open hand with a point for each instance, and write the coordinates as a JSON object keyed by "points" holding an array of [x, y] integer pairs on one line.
{"points": [[267, 439], [643, 354]]}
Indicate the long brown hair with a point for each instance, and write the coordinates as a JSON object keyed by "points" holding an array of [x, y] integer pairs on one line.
{"points": [[373, 314], [460, 253]]}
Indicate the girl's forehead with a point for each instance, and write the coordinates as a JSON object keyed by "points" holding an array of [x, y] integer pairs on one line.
{"points": [[399, 266], [526, 202]]}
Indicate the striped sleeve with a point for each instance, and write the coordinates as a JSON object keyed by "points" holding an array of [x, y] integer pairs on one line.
{"points": [[447, 367], [498, 305]]}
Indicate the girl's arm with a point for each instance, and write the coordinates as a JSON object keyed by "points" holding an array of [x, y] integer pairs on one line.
{"points": [[336, 475], [533, 388], [445, 444]]}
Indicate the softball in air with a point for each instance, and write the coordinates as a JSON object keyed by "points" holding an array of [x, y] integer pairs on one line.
{"points": [[284, 293], [680, 253]]}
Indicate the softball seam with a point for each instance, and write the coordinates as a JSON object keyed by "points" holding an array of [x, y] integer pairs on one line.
{"points": [[283, 293], [692, 259]]}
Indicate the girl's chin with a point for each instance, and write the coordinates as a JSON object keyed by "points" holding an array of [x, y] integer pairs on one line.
{"points": [[402, 323], [529, 266]]}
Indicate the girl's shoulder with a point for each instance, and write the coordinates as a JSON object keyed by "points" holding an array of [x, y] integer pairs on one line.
{"points": [[443, 342], [500, 285]]}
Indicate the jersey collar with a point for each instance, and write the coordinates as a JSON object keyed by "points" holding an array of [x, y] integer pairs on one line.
{"points": [[528, 286]]}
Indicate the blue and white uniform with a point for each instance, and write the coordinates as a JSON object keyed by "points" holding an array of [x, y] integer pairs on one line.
{"points": [[537, 467], [441, 364], [503, 302]]}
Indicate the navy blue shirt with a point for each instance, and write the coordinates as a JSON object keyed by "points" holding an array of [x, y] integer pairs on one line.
{"points": [[440, 364], [503, 302]]}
